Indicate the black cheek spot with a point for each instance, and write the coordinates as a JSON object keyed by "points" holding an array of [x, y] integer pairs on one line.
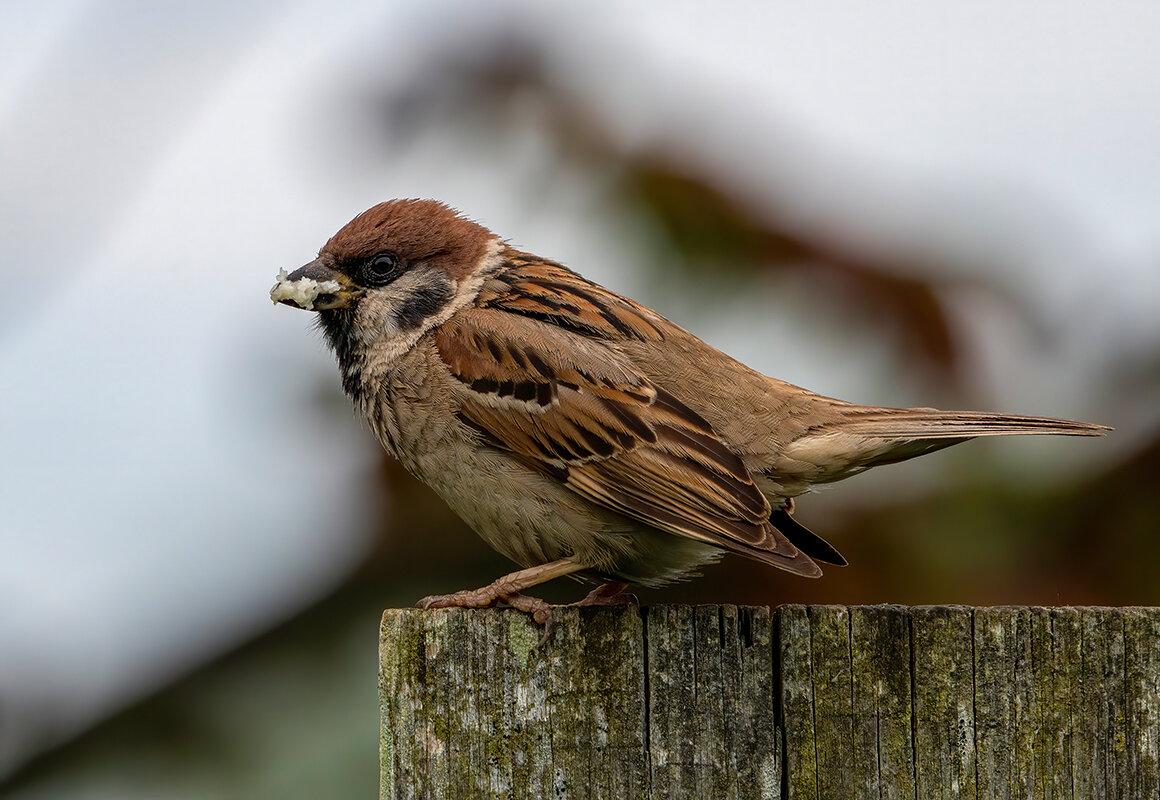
{"points": [[423, 303]]}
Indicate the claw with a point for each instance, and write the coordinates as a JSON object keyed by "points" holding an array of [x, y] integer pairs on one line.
{"points": [[507, 590], [609, 594], [490, 596]]}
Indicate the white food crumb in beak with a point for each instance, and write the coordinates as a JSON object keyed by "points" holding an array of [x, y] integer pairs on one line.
{"points": [[301, 292]]}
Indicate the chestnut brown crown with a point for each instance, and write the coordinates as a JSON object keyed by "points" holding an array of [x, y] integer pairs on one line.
{"points": [[414, 230]]}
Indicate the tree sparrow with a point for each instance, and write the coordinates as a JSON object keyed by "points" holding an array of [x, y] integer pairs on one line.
{"points": [[575, 430]]}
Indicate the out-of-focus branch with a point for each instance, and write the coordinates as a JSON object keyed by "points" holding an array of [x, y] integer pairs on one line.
{"points": [[509, 82]]}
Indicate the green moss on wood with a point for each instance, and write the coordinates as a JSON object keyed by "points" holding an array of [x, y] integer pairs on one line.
{"points": [[806, 702]]}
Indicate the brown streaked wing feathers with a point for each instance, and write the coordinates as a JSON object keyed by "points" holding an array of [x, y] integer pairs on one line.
{"points": [[600, 427], [552, 293]]}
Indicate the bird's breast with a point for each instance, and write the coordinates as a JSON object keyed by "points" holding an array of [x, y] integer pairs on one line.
{"points": [[409, 406]]}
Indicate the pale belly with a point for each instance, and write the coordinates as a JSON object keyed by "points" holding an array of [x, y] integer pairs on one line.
{"points": [[529, 517]]}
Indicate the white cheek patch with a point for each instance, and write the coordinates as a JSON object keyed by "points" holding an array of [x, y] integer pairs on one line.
{"points": [[420, 300], [301, 292]]}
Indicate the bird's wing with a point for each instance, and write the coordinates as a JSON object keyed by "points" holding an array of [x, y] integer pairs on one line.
{"points": [[540, 380]]}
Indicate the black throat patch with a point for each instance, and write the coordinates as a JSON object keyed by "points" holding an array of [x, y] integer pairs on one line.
{"points": [[336, 326]]}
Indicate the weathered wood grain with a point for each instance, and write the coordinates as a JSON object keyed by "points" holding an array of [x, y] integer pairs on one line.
{"points": [[805, 702], [1142, 701], [711, 703], [795, 648], [882, 760], [833, 699], [1005, 702], [944, 702]]}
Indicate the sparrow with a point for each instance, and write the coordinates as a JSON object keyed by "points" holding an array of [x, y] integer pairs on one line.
{"points": [[576, 431]]}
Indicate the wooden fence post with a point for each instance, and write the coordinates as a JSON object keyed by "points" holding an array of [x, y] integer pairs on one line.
{"points": [[803, 702]]}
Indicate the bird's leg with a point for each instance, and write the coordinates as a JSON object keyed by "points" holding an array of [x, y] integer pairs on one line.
{"points": [[608, 594], [507, 590]]}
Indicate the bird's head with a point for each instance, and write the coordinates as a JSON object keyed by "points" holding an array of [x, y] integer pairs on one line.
{"points": [[392, 272]]}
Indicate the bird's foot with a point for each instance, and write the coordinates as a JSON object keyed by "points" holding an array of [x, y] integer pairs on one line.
{"points": [[490, 596], [487, 597], [507, 590], [609, 594]]}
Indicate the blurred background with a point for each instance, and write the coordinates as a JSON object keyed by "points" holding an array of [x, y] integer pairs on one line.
{"points": [[896, 204]]}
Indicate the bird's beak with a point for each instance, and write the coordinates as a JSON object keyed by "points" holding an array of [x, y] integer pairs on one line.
{"points": [[314, 287]]}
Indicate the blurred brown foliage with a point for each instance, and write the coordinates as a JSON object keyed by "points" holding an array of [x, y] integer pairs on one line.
{"points": [[698, 214]]}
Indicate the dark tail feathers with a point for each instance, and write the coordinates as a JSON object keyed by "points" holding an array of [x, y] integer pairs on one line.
{"points": [[804, 539]]}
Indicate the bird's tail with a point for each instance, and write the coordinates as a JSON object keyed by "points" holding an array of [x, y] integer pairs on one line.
{"points": [[929, 423], [804, 539], [858, 437]]}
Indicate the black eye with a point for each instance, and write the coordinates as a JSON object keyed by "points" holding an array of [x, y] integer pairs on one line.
{"points": [[381, 269]]}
